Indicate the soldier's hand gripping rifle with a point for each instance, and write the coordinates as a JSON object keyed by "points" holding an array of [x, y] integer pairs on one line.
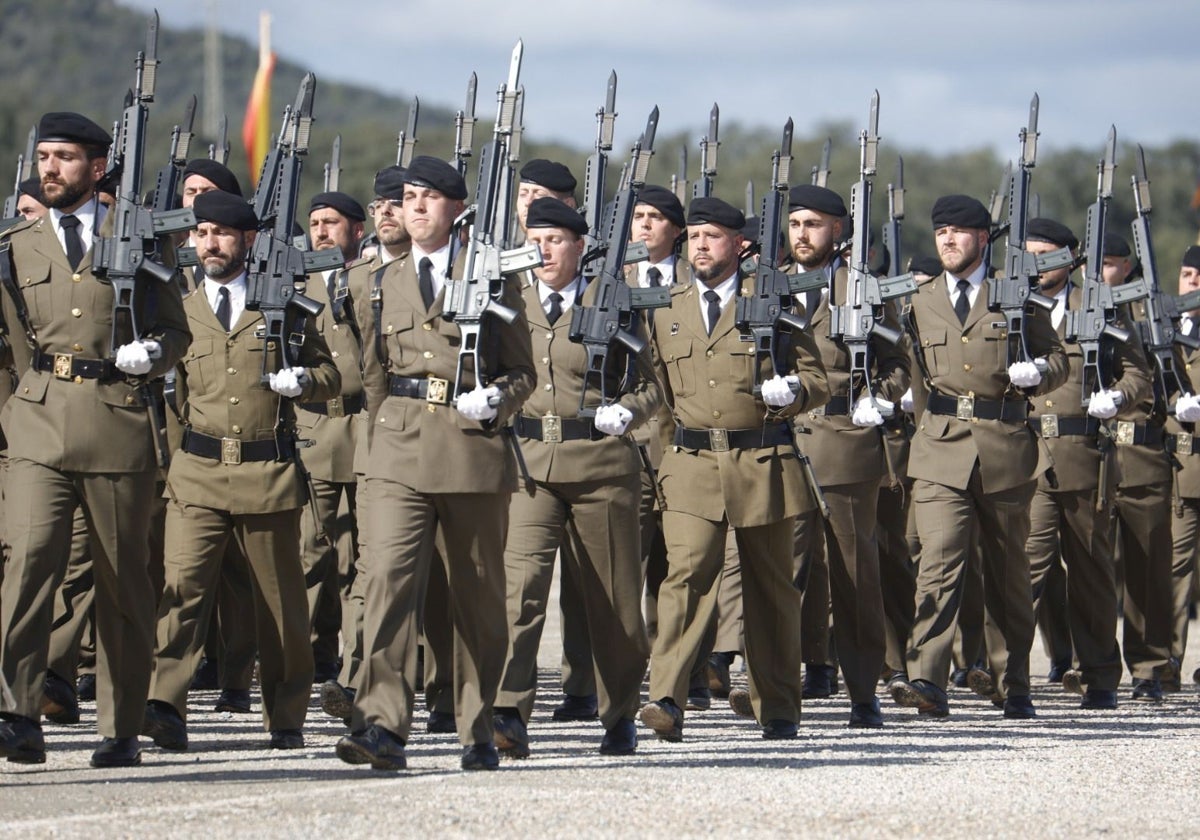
{"points": [[611, 324], [24, 167], [1013, 293], [709, 145], [470, 300], [891, 230]]}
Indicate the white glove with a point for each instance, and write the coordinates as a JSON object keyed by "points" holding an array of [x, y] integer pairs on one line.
{"points": [[866, 413], [288, 382], [777, 391], [1024, 374], [476, 405], [906, 402], [136, 357], [1187, 408], [1104, 404], [613, 419]]}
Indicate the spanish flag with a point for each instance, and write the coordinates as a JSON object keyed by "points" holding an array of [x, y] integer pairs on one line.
{"points": [[256, 129]]}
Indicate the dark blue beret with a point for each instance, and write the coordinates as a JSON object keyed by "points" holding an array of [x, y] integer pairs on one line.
{"points": [[550, 212], [664, 201], [549, 174], [703, 211], [69, 127], [435, 174], [225, 209], [339, 201], [960, 211]]}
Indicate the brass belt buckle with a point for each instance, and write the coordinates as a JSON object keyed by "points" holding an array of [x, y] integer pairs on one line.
{"points": [[62, 365], [335, 407], [1183, 444], [1049, 425], [718, 440], [438, 391], [231, 451], [965, 408], [552, 429], [1125, 432]]}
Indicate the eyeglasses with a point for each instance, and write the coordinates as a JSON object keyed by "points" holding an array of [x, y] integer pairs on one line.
{"points": [[381, 204]]}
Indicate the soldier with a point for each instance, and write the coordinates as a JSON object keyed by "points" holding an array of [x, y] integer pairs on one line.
{"points": [[587, 477], [1069, 517], [742, 473], [541, 178], [974, 461], [433, 466], [29, 203], [79, 435]]}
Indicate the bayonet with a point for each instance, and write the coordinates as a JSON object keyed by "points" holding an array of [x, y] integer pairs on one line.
{"points": [[219, 151], [710, 144], [406, 140], [751, 210], [679, 181], [891, 231], [820, 172], [464, 130], [333, 169]]}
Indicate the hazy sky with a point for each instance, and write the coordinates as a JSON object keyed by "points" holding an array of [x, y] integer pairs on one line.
{"points": [[951, 75]]}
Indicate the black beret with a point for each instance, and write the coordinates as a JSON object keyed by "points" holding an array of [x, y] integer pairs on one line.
{"points": [[1116, 245], [1191, 257], [664, 201], [218, 173], [69, 127], [547, 173], [435, 174], [812, 197], [339, 201], [225, 209], [750, 229], [925, 265], [703, 211], [31, 187], [550, 212], [1048, 230], [389, 183], [960, 211]]}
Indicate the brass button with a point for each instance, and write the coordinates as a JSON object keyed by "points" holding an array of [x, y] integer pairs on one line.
{"points": [[427, 327], [335, 354], [712, 383], [428, 354], [130, 401], [231, 371], [965, 339], [549, 336], [545, 360], [28, 281], [966, 367], [382, 419], [1049, 403], [77, 312], [548, 387], [237, 430], [78, 348], [75, 278], [388, 329], [709, 354], [431, 408], [234, 401], [78, 380], [335, 326], [230, 343], [716, 414], [25, 390]]}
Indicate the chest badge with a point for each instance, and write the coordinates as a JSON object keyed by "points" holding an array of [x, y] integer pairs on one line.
{"points": [[675, 329]]}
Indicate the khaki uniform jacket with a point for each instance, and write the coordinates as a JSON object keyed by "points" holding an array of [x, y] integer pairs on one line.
{"points": [[432, 448], [561, 364], [971, 359], [331, 455], [708, 383], [1188, 478], [220, 396], [842, 453], [82, 425], [1076, 457]]}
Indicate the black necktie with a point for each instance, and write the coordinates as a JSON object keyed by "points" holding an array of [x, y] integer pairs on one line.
{"points": [[1194, 332], [223, 308], [70, 229], [714, 309], [425, 281], [555, 307], [654, 277], [963, 305]]}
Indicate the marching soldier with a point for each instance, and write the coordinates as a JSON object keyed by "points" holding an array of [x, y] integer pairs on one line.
{"points": [[541, 178]]}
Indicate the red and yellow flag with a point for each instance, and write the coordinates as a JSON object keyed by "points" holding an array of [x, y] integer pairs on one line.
{"points": [[256, 129]]}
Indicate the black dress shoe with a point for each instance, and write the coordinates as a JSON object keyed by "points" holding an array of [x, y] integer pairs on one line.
{"points": [[441, 723], [337, 701], [59, 702], [163, 725], [323, 672], [205, 678], [866, 715], [287, 739], [1148, 690], [922, 695], [699, 699], [482, 756], [511, 737], [820, 682], [234, 700], [621, 739], [779, 730], [1196, 676], [379, 747], [980, 681], [85, 689], [1099, 698], [577, 707], [117, 752], [718, 674], [958, 678], [1019, 707], [1170, 679], [665, 718], [1057, 669], [739, 701], [21, 740]]}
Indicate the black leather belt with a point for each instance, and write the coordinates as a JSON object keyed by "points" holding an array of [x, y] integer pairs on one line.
{"points": [[232, 450], [69, 366], [722, 440], [837, 406], [966, 408], [428, 388], [1052, 426], [554, 429], [336, 407], [1128, 433], [1183, 443]]}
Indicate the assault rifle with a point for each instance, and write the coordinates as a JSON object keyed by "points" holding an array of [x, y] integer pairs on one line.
{"points": [[710, 144], [24, 168], [891, 230], [998, 226]]}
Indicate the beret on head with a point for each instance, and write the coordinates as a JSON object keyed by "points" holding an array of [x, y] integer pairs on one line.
{"points": [[435, 174], [31, 187], [1116, 245], [339, 201], [1191, 257], [812, 197], [704, 211], [664, 201], [549, 212], [925, 265], [69, 127], [218, 173], [225, 209], [1048, 230], [389, 183], [549, 174], [750, 229], [960, 211]]}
